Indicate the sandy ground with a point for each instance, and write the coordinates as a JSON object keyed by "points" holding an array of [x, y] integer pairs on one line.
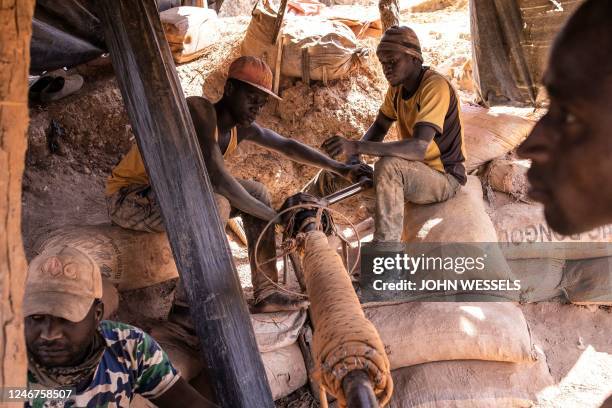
{"points": [[65, 186]]}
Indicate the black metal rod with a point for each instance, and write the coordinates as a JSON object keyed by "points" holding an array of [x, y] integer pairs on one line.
{"points": [[358, 390], [157, 109]]}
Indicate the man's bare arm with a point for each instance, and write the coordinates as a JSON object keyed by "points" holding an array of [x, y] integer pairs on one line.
{"points": [[204, 120], [301, 152], [375, 133], [411, 149]]}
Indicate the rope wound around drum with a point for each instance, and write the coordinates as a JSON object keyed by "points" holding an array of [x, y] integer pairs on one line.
{"points": [[344, 341]]}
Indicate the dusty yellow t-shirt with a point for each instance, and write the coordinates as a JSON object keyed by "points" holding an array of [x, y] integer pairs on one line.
{"points": [[131, 169], [436, 104]]}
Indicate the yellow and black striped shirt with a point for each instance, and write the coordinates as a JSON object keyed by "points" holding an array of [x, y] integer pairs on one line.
{"points": [[434, 103]]}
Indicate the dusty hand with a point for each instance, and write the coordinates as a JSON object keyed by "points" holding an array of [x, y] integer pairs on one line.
{"points": [[301, 214], [338, 145], [356, 172]]}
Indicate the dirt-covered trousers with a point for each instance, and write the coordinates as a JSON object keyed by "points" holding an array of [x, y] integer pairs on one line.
{"points": [[399, 180], [135, 207]]}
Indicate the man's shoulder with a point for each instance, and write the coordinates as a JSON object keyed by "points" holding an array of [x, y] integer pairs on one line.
{"points": [[434, 78], [201, 104], [113, 332]]}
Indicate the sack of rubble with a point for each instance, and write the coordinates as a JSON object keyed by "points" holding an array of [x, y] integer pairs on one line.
{"points": [[421, 332], [490, 135], [588, 281], [523, 233], [128, 259], [308, 47], [189, 31], [276, 335], [540, 278], [470, 384], [463, 228], [509, 176]]}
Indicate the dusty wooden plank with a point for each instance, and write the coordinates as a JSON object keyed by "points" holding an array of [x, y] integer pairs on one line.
{"points": [[16, 30], [166, 138]]}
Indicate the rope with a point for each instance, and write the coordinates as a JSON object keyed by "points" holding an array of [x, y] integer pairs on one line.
{"points": [[344, 340], [291, 244]]}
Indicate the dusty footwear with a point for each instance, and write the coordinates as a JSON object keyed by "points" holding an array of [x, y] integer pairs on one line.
{"points": [[279, 302], [38, 86], [61, 87]]}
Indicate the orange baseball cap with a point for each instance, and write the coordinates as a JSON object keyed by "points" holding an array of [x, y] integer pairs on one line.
{"points": [[254, 72]]}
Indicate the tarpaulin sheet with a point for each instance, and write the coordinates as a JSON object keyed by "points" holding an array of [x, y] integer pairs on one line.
{"points": [[510, 44]]}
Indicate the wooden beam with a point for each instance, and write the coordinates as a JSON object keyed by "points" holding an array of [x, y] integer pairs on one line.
{"points": [[15, 30], [278, 23], [164, 131]]}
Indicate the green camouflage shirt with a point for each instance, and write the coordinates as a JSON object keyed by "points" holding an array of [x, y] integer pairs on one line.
{"points": [[133, 363]]}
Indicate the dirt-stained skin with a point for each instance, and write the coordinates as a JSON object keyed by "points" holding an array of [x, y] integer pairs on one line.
{"points": [[571, 146]]}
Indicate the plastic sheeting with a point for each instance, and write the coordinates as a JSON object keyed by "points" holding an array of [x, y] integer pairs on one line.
{"points": [[510, 44], [66, 33]]}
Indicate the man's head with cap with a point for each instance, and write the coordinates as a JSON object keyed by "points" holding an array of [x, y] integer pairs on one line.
{"points": [[399, 52], [571, 146], [61, 306], [248, 87]]}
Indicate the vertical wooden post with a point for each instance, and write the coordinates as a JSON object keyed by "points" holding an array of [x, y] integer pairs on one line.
{"points": [[15, 31], [164, 131], [389, 13]]}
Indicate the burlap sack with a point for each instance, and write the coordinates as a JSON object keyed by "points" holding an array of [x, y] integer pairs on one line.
{"points": [[128, 259], [540, 278], [470, 384], [588, 281], [277, 330], [490, 135], [189, 31], [523, 234], [285, 367], [312, 47], [461, 220], [509, 176], [421, 332]]}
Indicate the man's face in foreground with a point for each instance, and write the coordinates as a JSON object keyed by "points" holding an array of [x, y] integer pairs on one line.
{"points": [[57, 342], [571, 146], [397, 66]]}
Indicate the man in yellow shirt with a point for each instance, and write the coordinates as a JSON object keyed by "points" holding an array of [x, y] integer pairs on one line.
{"points": [[220, 127], [426, 165]]}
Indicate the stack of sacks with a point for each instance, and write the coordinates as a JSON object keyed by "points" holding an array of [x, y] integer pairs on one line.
{"points": [[276, 335], [489, 135], [541, 257], [447, 354], [189, 31], [460, 220]]}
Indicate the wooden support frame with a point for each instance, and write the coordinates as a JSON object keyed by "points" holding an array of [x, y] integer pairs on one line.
{"points": [[164, 131]]}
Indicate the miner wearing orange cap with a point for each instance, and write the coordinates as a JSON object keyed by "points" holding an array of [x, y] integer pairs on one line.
{"points": [[220, 127]]}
